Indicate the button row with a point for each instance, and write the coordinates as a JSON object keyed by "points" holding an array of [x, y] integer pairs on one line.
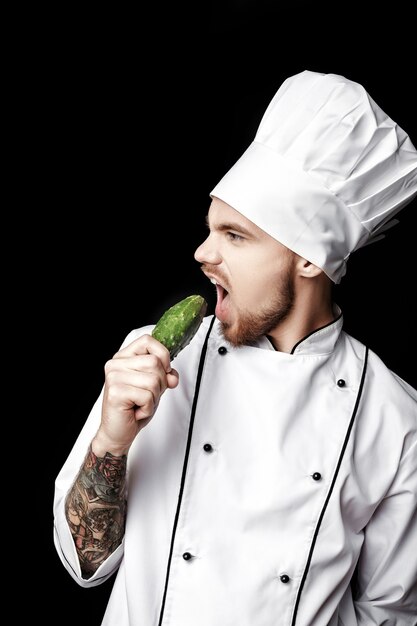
{"points": [[223, 350], [284, 578], [209, 448]]}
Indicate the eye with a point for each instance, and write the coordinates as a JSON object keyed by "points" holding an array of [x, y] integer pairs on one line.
{"points": [[233, 237]]}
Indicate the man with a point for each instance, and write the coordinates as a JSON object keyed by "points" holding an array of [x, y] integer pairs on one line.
{"points": [[274, 484]]}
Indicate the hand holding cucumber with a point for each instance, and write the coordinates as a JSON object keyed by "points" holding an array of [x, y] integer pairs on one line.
{"points": [[138, 375]]}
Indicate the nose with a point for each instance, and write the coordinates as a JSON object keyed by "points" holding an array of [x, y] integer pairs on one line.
{"points": [[207, 252]]}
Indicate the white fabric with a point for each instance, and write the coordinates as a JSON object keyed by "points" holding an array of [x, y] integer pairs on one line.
{"points": [[250, 510], [327, 169]]}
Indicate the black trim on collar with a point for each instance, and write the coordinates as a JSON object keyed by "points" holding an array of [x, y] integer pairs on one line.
{"points": [[315, 331], [316, 532], [271, 342], [184, 469]]}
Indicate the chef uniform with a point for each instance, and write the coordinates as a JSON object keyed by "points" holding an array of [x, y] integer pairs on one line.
{"points": [[267, 480]]}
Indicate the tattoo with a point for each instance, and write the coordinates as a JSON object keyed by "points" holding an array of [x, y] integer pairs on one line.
{"points": [[96, 509]]}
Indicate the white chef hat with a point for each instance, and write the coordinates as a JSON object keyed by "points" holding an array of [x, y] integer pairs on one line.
{"points": [[326, 171]]}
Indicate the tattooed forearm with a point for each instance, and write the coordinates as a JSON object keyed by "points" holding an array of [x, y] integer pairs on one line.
{"points": [[96, 509]]}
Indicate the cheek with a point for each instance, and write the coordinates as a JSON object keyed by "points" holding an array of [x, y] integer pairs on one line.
{"points": [[255, 283]]}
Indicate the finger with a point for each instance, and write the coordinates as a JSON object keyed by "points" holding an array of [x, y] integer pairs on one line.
{"points": [[128, 397], [146, 344], [156, 382], [141, 413], [142, 363]]}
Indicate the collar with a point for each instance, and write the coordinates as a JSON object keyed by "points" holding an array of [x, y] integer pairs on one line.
{"points": [[319, 341]]}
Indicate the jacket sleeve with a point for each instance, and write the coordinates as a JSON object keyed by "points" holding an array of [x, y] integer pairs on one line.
{"points": [[64, 542], [386, 590]]}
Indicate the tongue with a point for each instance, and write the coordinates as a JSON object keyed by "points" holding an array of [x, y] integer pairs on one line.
{"points": [[222, 303]]}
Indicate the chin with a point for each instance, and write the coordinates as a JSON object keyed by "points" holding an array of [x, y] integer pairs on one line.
{"points": [[234, 335]]}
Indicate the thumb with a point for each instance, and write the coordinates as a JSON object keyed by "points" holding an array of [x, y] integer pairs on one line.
{"points": [[173, 379]]}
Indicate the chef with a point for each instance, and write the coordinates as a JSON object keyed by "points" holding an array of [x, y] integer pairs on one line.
{"points": [[270, 472]]}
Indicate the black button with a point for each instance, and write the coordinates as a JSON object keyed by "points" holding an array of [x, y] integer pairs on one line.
{"points": [[222, 350], [187, 556], [208, 447], [341, 382], [316, 476], [284, 578]]}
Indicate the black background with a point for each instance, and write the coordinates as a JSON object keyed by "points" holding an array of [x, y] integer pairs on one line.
{"points": [[137, 117]]}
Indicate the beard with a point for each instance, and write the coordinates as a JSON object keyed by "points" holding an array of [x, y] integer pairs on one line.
{"points": [[250, 327]]}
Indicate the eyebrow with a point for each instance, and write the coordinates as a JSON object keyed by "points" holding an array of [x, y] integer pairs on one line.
{"points": [[230, 226]]}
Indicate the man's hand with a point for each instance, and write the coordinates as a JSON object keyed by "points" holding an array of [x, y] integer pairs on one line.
{"points": [[136, 377]]}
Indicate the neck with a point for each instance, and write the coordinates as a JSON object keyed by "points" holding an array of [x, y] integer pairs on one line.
{"points": [[312, 309]]}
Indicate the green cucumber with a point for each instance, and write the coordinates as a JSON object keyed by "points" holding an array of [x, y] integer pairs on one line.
{"points": [[179, 324]]}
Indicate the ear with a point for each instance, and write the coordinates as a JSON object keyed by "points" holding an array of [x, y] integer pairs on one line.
{"points": [[306, 269]]}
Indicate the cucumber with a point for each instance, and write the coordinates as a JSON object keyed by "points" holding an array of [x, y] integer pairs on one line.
{"points": [[179, 324]]}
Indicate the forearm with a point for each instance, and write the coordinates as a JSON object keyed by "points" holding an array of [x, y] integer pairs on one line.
{"points": [[96, 509]]}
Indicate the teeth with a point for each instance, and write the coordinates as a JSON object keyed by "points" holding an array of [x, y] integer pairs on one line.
{"points": [[213, 281]]}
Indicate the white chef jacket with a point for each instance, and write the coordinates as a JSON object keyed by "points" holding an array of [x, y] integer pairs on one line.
{"points": [[260, 484]]}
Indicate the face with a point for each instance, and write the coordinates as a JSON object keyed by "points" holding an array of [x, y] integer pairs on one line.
{"points": [[253, 274]]}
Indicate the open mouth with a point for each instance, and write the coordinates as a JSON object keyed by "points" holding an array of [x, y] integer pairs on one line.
{"points": [[222, 293], [222, 300]]}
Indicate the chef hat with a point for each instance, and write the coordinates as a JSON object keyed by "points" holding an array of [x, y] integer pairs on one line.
{"points": [[326, 171]]}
